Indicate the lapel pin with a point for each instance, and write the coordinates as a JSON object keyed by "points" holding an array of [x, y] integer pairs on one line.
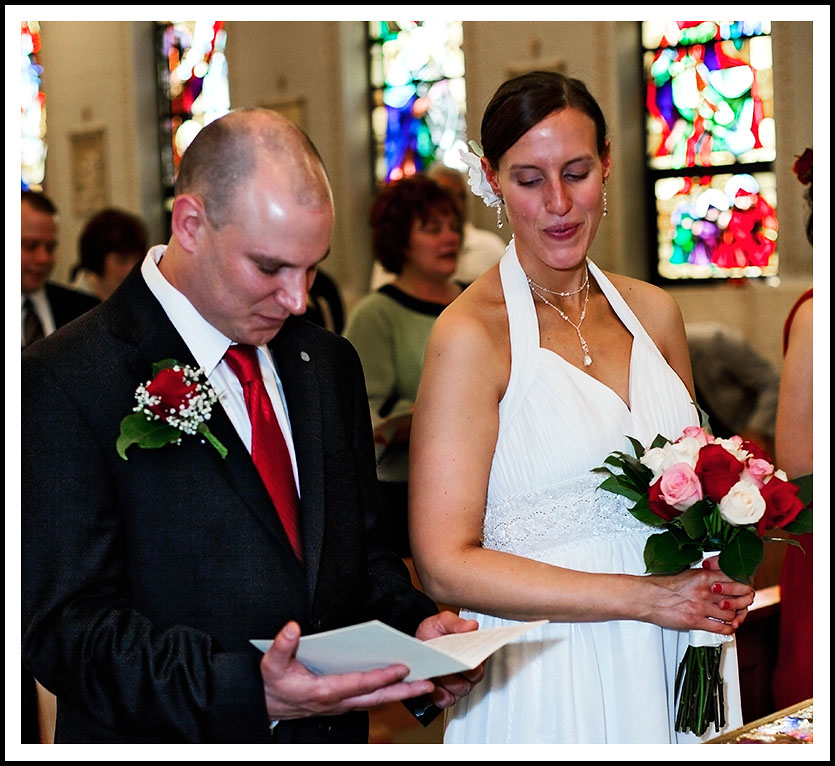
{"points": [[305, 356]]}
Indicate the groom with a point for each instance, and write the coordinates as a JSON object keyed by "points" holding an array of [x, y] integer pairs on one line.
{"points": [[145, 574]]}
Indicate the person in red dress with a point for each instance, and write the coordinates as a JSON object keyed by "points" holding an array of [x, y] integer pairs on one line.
{"points": [[792, 680]]}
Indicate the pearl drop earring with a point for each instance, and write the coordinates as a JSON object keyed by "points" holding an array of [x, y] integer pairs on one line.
{"points": [[605, 201], [499, 222]]}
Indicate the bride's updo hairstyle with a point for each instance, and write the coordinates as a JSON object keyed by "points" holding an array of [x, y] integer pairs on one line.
{"points": [[524, 101]]}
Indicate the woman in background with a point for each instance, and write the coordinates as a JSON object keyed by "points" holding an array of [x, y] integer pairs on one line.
{"points": [[112, 243], [792, 680], [416, 227]]}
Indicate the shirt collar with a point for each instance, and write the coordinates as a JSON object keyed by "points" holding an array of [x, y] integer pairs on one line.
{"points": [[206, 342], [38, 297]]}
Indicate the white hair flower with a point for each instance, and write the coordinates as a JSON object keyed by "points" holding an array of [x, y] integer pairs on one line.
{"points": [[476, 178]]}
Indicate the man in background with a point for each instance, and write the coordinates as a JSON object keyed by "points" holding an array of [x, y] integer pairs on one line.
{"points": [[45, 306]]}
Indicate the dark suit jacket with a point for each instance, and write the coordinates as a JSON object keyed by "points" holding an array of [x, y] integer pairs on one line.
{"points": [[143, 580], [67, 304]]}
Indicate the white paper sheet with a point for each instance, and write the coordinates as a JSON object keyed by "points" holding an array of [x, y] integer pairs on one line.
{"points": [[373, 645]]}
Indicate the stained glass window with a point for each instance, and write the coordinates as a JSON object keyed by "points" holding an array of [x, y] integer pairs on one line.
{"points": [[418, 95], [193, 86], [32, 109], [710, 145]]}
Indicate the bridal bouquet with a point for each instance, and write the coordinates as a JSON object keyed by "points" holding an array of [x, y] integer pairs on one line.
{"points": [[707, 495]]}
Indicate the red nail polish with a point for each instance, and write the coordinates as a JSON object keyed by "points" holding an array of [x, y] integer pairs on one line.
{"points": [[716, 587], [726, 605]]}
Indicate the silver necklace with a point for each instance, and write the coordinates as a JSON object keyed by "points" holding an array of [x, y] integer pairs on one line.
{"points": [[557, 292], [583, 344]]}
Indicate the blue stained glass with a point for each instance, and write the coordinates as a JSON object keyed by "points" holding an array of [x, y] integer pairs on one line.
{"points": [[417, 76]]}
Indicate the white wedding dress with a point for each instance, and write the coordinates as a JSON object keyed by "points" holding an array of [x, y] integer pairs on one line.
{"points": [[584, 683]]}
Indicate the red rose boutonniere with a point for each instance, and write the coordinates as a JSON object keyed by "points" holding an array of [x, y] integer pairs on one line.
{"points": [[177, 400]]}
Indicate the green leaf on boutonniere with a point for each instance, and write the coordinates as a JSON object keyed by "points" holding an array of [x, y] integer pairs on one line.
{"points": [[163, 364], [665, 553], [741, 555], [204, 431], [176, 402], [136, 428]]}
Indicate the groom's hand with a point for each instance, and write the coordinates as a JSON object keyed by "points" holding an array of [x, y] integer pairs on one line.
{"points": [[292, 691]]}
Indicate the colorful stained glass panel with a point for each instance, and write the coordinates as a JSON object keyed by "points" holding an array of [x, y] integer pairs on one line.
{"points": [[194, 82], [710, 104], [32, 109], [418, 95], [723, 225]]}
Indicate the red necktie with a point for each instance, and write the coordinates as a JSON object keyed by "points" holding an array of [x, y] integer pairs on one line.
{"points": [[269, 449]]}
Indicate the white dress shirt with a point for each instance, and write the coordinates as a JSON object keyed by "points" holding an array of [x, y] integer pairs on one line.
{"points": [[208, 345]]}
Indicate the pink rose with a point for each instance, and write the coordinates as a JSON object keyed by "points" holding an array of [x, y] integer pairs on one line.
{"points": [[718, 470], [658, 505], [680, 487], [699, 434], [757, 471]]}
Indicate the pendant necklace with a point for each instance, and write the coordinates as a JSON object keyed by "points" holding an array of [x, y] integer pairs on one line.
{"points": [[557, 292], [535, 289]]}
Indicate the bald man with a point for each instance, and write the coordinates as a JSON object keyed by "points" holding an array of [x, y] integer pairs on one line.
{"points": [[147, 569]]}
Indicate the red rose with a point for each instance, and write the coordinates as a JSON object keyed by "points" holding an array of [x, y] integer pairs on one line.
{"points": [[803, 167], [173, 391], [658, 505], [757, 451], [781, 504], [718, 470]]}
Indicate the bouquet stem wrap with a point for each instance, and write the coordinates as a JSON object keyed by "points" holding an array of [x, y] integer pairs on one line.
{"points": [[700, 688]]}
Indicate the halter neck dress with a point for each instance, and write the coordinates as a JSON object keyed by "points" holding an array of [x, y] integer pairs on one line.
{"points": [[585, 683]]}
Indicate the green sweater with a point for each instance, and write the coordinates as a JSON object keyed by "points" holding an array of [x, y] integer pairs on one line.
{"points": [[390, 329]]}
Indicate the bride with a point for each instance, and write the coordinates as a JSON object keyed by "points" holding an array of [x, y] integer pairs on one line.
{"points": [[532, 377]]}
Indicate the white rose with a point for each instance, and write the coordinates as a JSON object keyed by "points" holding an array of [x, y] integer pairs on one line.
{"points": [[734, 446], [742, 505], [686, 450], [478, 180], [659, 459]]}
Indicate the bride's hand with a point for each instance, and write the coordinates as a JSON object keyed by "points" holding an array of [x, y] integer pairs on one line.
{"points": [[700, 599]]}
